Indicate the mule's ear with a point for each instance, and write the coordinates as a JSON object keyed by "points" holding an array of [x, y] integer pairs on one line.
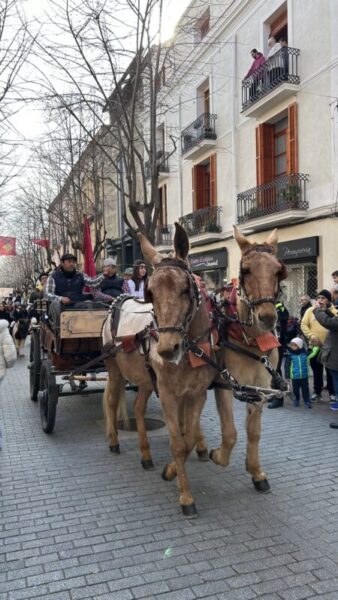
{"points": [[181, 242], [273, 238], [241, 240], [149, 251]]}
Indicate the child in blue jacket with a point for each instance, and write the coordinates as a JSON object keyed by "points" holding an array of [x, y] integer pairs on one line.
{"points": [[296, 369]]}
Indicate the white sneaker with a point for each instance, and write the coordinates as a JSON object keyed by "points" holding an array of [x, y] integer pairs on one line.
{"points": [[332, 398], [316, 397]]}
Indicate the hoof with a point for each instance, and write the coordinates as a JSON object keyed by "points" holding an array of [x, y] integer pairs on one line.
{"points": [[262, 486], [189, 510], [147, 464], [115, 449], [164, 474], [211, 454], [202, 455]]}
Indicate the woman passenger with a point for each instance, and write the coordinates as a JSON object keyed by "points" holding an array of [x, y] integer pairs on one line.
{"points": [[137, 282]]}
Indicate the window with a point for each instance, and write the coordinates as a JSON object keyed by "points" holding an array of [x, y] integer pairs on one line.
{"points": [[280, 145], [204, 184], [160, 79], [202, 26], [277, 147], [279, 26]]}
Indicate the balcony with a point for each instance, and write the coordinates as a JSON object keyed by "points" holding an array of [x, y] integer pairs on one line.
{"points": [[164, 236], [199, 136], [162, 164], [204, 223], [284, 199], [273, 82]]}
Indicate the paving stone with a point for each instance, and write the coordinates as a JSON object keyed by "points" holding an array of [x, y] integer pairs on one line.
{"points": [[77, 523]]}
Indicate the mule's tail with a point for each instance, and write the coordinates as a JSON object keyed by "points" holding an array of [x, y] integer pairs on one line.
{"points": [[114, 400]]}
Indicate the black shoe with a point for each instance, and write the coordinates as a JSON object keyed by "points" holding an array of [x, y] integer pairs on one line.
{"points": [[276, 403], [334, 425]]}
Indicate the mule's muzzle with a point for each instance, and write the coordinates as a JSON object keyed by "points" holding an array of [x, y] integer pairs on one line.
{"points": [[169, 353], [267, 320]]}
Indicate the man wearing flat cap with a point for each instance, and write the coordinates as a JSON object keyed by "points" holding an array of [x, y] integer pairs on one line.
{"points": [[65, 286]]}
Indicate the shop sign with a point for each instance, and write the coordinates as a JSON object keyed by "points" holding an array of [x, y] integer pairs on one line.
{"points": [[215, 259], [297, 249]]}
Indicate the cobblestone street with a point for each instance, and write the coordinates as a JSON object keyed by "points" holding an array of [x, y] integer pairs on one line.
{"points": [[78, 522]]}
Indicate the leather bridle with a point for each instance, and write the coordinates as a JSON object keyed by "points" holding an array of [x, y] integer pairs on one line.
{"points": [[251, 303], [194, 296]]}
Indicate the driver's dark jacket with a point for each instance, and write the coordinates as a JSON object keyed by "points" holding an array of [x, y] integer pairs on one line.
{"points": [[62, 283]]}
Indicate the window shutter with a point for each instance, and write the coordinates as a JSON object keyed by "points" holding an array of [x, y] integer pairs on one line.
{"points": [[198, 186], [264, 153], [213, 179], [193, 187], [292, 139]]}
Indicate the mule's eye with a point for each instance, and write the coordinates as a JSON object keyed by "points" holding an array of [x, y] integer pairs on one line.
{"points": [[246, 271], [185, 292]]}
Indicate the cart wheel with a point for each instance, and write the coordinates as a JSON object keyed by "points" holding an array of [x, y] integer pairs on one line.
{"points": [[34, 366], [48, 397]]}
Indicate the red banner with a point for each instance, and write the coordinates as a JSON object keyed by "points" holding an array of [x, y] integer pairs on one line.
{"points": [[7, 246], [89, 263], [42, 243]]}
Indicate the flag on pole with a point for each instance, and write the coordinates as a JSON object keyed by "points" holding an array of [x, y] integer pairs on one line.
{"points": [[42, 243], [89, 263], [7, 246]]}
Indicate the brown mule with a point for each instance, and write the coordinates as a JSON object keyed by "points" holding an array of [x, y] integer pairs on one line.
{"points": [[180, 314]]}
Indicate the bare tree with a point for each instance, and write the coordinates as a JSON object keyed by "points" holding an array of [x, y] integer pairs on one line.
{"points": [[110, 65], [15, 46]]}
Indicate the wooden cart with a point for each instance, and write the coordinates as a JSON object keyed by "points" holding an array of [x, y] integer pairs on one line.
{"points": [[55, 356]]}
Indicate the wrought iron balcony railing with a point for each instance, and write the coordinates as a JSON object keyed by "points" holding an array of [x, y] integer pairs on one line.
{"points": [[279, 69], [164, 235], [203, 220], [203, 128], [287, 192], [162, 164]]}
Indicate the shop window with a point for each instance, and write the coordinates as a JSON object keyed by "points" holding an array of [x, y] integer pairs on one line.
{"points": [[204, 184]]}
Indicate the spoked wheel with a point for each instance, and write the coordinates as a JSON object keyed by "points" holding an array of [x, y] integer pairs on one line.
{"points": [[48, 397], [34, 366]]}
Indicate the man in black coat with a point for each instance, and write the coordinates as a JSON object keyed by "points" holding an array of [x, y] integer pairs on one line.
{"points": [[64, 287], [111, 285]]}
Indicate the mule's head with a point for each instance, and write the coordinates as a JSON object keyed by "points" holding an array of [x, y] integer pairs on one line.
{"points": [[173, 293], [260, 276]]}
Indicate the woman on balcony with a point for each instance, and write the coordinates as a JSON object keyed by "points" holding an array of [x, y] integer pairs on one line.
{"points": [[275, 61]]}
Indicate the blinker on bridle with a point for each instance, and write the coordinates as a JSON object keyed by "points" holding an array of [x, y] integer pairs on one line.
{"points": [[194, 296]]}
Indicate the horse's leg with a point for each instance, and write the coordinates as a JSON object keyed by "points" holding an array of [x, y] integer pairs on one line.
{"points": [[114, 395], [201, 445], [221, 456], [140, 408], [181, 446], [253, 427]]}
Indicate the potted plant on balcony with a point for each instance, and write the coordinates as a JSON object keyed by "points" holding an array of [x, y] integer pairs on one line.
{"points": [[289, 196], [212, 227]]}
